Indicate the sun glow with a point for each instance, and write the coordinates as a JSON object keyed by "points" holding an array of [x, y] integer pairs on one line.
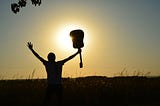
{"points": [[63, 38]]}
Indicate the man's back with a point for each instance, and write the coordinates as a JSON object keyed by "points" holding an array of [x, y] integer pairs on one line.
{"points": [[54, 71]]}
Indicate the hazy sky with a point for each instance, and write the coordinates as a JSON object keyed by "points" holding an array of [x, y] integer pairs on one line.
{"points": [[118, 34]]}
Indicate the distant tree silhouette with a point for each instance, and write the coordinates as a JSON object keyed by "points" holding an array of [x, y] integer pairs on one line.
{"points": [[15, 7]]}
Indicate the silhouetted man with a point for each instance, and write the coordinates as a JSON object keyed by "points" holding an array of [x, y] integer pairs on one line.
{"points": [[54, 74]]}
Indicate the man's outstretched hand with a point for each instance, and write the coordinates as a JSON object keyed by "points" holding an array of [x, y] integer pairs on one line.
{"points": [[79, 50], [30, 45]]}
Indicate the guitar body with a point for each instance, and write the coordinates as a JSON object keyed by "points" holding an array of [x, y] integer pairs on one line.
{"points": [[77, 38]]}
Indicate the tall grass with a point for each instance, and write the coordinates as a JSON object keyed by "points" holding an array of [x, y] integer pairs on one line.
{"points": [[85, 91], [136, 73]]}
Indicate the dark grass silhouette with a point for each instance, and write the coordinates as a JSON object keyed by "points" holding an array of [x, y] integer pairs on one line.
{"points": [[86, 91]]}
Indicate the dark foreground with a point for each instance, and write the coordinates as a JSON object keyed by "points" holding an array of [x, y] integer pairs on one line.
{"points": [[87, 91]]}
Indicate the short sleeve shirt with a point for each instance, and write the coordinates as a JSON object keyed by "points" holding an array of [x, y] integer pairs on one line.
{"points": [[54, 71]]}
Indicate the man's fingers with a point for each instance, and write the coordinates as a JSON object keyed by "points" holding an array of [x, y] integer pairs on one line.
{"points": [[79, 50], [29, 43]]}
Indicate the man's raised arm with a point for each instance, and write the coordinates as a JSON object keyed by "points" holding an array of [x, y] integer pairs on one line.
{"points": [[72, 56], [30, 46]]}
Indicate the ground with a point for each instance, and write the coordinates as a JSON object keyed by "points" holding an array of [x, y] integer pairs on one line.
{"points": [[85, 91]]}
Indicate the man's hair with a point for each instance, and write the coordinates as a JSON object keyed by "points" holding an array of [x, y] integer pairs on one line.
{"points": [[51, 56]]}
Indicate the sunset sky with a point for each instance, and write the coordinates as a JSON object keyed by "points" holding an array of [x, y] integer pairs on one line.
{"points": [[119, 35]]}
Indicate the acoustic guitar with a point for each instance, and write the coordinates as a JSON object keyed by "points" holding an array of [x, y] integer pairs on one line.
{"points": [[77, 39]]}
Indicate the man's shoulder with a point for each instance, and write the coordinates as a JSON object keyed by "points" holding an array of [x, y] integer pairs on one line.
{"points": [[45, 62], [60, 62]]}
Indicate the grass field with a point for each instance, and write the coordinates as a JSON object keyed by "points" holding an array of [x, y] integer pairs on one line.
{"points": [[85, 91]]}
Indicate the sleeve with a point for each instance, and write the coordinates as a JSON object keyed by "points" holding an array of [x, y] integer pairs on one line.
{"points": [[61, 62], [44, 62]]}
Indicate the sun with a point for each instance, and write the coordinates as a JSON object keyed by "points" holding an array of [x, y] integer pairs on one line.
{"points": [[63, 38]]}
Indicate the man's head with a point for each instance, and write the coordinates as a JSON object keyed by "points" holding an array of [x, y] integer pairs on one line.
{"points": [[51, 56]]}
